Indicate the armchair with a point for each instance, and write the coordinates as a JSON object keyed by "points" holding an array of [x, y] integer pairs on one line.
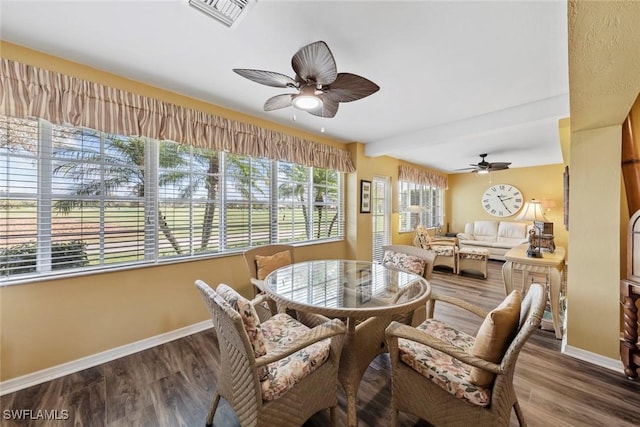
{"points": [[444, 248], [447, 377], [274, 372]]}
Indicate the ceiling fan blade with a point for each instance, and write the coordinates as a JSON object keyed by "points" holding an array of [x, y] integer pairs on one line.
{"points": [[499, 165], [269, 78], [328, 108], [314, 62], [278, 101], [350, 87]]}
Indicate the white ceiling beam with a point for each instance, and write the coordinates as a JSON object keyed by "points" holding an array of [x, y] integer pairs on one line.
{"points": [[555, 107]]}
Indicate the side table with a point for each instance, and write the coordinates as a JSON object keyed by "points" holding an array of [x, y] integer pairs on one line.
{"points": [[551, 264]]}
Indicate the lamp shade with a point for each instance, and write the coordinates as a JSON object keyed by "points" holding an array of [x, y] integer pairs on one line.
{"points": [[532, 211]]}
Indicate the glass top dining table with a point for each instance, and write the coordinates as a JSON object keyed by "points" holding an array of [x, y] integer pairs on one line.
{"points": [[367, 295], [345, 288]]}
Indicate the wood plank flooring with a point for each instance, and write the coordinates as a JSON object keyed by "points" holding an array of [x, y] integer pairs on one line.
{"points": [[171, 385]]}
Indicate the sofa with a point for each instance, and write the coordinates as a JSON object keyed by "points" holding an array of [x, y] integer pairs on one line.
{"points": [[496, 236]]}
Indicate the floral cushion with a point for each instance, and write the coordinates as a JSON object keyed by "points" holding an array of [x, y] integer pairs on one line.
{"points": [[443, 250], [402, 261], [446, 371], [282, 329], [474, 253], [250, 320]]}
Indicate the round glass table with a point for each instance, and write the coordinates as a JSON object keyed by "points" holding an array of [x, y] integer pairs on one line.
{"points": [[367, 295]]}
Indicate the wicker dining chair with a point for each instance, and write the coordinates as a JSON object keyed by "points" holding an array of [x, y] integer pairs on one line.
{"points": [[408, 258], [262, 260], [414, 260], [274, 372], [435, 374]]}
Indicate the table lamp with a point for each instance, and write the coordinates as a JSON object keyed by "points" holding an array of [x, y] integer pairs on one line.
{"points": [[532, 211]]}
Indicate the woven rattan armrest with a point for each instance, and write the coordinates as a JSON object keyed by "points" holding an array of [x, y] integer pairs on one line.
{"points": [[259, 299], [456, 302], [257, 283], [332, 328], [397, 330]]}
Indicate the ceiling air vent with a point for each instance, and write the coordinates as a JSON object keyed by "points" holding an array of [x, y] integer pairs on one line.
{"points": [[229, 12]]}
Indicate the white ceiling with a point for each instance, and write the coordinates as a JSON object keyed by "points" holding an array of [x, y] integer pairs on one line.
{"points": [[457, 78]]}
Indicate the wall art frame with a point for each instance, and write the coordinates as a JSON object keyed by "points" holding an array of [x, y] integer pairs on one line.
{"points": [[365, 196]]}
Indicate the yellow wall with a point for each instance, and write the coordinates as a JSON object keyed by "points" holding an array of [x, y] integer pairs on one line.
{"points": [[540, 182], [592, 290]]}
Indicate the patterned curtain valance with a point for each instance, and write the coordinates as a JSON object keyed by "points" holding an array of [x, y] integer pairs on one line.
{"points": [[28, 91], [418, 176]]}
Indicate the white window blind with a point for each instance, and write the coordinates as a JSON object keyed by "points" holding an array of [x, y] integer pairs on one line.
{"points": [[428, 198], [74, 199]]}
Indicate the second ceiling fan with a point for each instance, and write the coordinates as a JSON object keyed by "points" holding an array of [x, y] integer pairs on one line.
{"points": [[485, 167], [320, 87]]}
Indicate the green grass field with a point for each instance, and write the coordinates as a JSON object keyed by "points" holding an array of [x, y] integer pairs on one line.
{"points": [[116, 234]]}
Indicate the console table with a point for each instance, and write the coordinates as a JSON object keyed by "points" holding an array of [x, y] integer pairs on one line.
{"points": [[551, 265]]}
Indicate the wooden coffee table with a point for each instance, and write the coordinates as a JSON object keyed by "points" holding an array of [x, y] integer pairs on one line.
{"points": [[551, 265]]}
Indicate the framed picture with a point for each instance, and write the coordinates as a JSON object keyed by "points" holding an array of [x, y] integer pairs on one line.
{"points": [[365, 196]]}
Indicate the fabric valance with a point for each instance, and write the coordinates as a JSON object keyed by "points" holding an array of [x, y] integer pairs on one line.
{"points": [[423, 177], [28, 91]]}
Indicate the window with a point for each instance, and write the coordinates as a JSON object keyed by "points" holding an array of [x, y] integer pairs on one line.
{"points": [[428, 199], [74, 199]]}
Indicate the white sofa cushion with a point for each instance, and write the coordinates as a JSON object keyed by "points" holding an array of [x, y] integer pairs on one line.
{"points": [[485, 231], [512, 233]]}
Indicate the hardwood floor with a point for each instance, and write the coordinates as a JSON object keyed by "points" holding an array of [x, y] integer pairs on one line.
{"points": [[172, 384]]}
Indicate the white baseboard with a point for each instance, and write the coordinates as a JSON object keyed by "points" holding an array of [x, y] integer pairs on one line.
{"points": [[19, 383], [593, 358]]}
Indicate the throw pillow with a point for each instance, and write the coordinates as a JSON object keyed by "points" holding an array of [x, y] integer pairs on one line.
{"points": [[402, 261], [494, 336], [250, 320], [266, 264]]}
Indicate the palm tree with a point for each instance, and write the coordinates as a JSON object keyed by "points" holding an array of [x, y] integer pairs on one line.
{"points": [[324, 185], [122, 166]]}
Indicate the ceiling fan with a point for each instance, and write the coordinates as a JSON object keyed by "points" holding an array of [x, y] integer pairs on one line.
{"points": [[320, 87], [485, 167]]}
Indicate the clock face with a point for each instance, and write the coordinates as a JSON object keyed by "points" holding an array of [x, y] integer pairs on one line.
{"points": [[502, 200]]}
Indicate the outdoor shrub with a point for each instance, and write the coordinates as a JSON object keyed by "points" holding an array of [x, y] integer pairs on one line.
{"points": [[21, 258]]}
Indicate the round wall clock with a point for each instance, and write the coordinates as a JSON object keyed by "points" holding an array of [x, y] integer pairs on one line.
{"points": [[502, 200]]}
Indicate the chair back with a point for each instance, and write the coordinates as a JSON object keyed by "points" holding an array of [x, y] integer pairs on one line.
{"points": [[237, 373], [531, 311], [266, 250], [427, 256]]}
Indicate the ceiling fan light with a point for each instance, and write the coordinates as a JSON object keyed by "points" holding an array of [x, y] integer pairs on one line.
{"points": [[306, 102], [483, 171]]}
